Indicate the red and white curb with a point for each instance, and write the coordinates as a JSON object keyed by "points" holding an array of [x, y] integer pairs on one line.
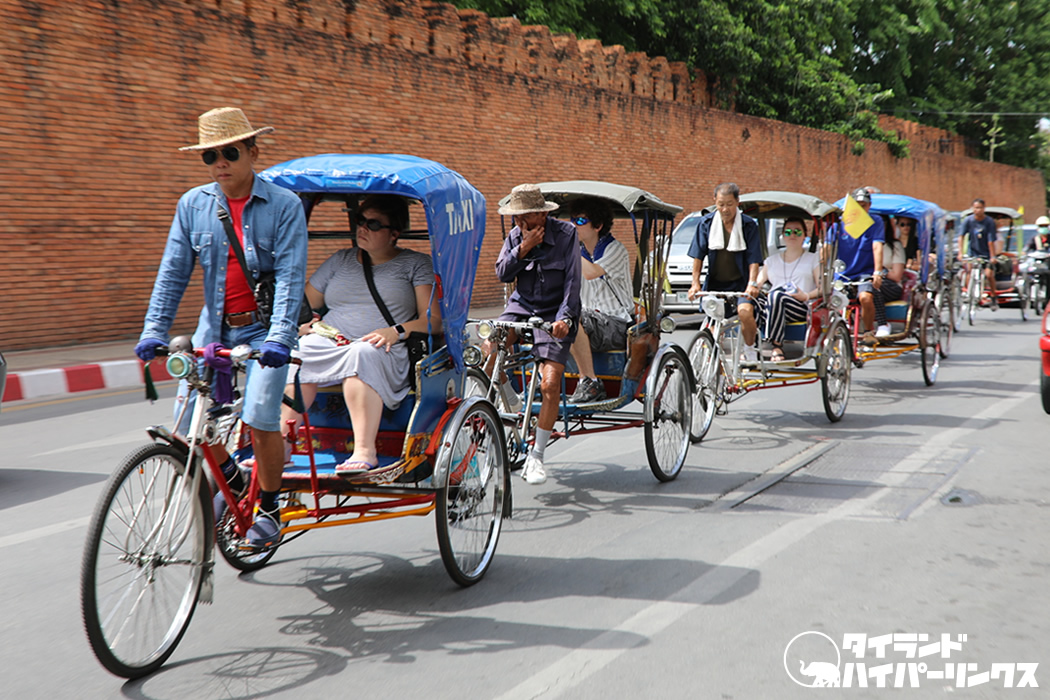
{"points": [[44, 383]]}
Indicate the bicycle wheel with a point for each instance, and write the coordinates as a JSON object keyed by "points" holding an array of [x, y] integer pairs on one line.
{"points": [[956, 302], [973, 296], [229, 544], [144, 561], [476, 383], [929, 343], [707, 372], [835, 365], [668, 415], [1022, 302], [473, 496]]}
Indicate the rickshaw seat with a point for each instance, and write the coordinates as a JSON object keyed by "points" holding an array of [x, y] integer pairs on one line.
{"points": [[795, 331], [897, 311]]}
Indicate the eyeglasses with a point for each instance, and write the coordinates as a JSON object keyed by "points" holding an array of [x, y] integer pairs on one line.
{"points": [[371, 224], [794, 232], [580, 220], [230, 153], [904, 224]]}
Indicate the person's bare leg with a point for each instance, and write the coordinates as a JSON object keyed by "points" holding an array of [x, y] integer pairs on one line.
{"points": [[269, 458], [550, 390], [366, 411], [581, 352], [867, 311], [747, 323]]}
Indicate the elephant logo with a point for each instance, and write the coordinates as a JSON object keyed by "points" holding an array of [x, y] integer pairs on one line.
{"points": [[806, 660]]}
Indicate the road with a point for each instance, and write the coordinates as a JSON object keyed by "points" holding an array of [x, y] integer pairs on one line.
{"points": [[924, 512]]}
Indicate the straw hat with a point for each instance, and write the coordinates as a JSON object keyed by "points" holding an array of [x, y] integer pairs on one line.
{"points": [[526, 199], [222, 126]]}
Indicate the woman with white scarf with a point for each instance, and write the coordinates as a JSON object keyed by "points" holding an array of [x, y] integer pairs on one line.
{"points": [[730, 241]]}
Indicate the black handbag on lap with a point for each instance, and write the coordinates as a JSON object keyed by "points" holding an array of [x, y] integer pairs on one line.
{"points": [[264, 287]]}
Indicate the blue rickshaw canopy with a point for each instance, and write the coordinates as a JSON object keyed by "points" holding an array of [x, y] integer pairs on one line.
{"points": [[929, 224], [455, 213]]}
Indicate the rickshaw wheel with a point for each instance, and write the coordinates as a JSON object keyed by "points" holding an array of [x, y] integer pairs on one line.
{"points": [[228, 543], [947, 331], [476, 383], [474, 490], [973, 296], [703, 356], [668, 414], [930, 343], [835, 365], [1022, 302], [955, 303], [144, 561]]}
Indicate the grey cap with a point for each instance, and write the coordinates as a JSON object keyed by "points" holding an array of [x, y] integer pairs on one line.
{"points": [[861, 195]]}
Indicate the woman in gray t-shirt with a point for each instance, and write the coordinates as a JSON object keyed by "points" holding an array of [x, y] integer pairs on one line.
{"points": [[367, 356]]}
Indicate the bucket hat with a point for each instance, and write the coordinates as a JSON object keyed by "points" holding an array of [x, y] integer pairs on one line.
{"points": [[222, 126], [526, 199]]}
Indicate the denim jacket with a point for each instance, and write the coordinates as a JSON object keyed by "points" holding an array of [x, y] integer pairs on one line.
{"points": [[274, 227]]}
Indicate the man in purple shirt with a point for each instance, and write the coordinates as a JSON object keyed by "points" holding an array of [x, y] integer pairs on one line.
{"points": [[543, 256]]}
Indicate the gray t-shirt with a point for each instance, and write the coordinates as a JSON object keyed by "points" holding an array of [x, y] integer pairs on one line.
{"points": [[351, 308]]}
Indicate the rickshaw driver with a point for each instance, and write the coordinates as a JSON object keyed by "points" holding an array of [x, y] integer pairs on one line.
{"points": [[730, 241], [1041, 240], [984, 244], [543, 255], [272, 226], [863, 258]]}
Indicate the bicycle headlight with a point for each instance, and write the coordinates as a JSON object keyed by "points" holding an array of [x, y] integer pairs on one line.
{"points": [[485, 330], [667, 324], [472, 356], [839, 285], [839, 267], [180, 365], [714, 307], [838, 300]]}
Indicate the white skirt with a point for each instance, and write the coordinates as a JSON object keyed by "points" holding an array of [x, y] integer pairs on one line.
{"points": [[326, 364]]}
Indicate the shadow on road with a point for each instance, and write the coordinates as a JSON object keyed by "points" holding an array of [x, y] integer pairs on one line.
{"points": [[18, 486]]}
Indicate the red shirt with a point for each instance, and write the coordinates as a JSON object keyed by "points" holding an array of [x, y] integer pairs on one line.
{"points": [[239, 295]]}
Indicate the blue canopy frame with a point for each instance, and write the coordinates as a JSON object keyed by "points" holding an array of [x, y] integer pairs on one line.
{"points": [[455, 214]]}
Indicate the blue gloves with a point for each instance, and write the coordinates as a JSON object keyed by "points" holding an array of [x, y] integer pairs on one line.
{"points": [[273, 354], [147, 348]]}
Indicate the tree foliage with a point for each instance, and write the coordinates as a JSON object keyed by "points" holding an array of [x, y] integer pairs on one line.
{"points": [[836, 64]]}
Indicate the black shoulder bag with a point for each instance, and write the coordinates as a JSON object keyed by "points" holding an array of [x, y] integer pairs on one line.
{"points": [[265, 287], [417, 343]]}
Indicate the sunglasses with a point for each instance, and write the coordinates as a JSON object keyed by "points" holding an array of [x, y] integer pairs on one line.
{"points": [[794, 232], [580, 220], [904, 223], [371, 224], [230, 153]]}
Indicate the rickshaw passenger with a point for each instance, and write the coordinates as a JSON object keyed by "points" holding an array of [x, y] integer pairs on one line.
{"points": [[795, 278], [271, 224], [901, 253], [605, 294], [355, 346], [984, 243], [543, 255], [730, 241], [1041, 240], [863, 258]]}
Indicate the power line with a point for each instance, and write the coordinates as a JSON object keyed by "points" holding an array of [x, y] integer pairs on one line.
{"points": [[971, 114]]}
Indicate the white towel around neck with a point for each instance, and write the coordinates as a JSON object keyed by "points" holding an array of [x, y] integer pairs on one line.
{"points": [[716, 241]]}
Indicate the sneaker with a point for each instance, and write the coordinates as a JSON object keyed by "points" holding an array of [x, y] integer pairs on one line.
{"points": [[750, 354], [588, 390], [883, 331], [510, 397], [266, 530], [533, 472]]}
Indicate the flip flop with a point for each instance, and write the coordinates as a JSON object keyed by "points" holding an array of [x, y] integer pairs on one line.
{"points": [[354, 467]]}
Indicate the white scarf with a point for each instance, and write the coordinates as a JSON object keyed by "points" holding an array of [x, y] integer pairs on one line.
{"points": [[716, 240]]}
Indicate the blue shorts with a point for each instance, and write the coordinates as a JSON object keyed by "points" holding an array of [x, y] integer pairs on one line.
{"points": [[263, 387]]}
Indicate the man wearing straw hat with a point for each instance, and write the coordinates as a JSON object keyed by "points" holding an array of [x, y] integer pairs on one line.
{"points": [[271, 226], [543, 255]]}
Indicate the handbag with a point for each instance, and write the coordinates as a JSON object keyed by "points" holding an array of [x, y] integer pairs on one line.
{"points": [[265, 287], [418, 344]]}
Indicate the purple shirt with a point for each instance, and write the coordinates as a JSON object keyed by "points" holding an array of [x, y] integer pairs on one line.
{"points": [[548, 277]]}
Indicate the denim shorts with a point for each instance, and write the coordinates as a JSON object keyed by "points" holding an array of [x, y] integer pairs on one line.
{"points": [[263, 387]]}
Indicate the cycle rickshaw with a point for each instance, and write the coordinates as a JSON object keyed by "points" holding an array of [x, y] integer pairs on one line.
{"points": [[815, 350], [915, 320], [1010, 280], [149, 553], [653, 372]]}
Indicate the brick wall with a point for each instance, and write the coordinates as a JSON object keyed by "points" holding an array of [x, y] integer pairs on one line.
{"points": [[95, 97]]}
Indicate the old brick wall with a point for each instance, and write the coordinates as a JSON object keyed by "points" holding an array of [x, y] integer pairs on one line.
{"points": [[95, 97]]}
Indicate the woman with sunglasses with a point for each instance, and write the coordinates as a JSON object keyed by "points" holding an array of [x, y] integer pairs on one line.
{"points": [[795, 278], [355, 346]]}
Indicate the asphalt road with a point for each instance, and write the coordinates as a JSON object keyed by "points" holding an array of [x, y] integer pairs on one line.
{"points": [[924, 512]]}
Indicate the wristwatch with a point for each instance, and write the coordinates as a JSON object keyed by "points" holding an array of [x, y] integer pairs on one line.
{"points": [[400, 331]]}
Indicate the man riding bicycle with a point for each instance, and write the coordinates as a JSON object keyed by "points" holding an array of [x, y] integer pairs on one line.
{"points": [[984, 244]]}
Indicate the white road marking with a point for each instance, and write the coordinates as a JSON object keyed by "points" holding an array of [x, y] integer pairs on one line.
{"points": [[46, 531], [131, 437], [572, 669]]}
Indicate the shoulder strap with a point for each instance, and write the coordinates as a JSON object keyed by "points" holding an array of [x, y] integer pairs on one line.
{"points": [[227, 224], [366, 263]]}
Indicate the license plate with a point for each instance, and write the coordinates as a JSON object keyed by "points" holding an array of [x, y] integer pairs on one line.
{"points": [[683, 297]]}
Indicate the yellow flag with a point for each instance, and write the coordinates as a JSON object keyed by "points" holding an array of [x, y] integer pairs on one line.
{"points": [[1020, 210], [854, 218]]}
